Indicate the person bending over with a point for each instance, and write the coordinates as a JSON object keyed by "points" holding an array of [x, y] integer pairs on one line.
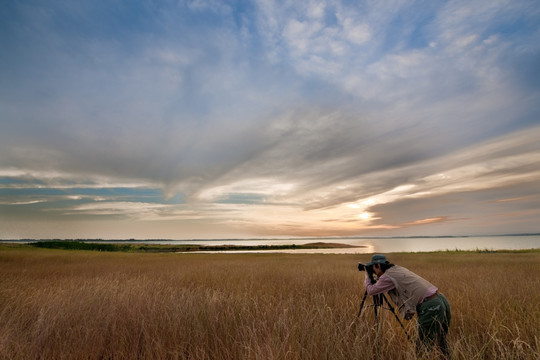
{"points": [[413, 294]]}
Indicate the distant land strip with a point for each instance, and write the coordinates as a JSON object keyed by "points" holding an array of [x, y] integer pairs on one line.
{"points": [[155, 248]]}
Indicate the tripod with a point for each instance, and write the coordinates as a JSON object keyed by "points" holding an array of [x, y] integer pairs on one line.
{"points": [[378, 302]]}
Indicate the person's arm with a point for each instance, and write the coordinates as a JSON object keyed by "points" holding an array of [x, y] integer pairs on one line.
{"points": [[383, 284]]}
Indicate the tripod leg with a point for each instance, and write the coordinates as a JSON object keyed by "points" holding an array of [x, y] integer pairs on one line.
{"points": [[375, 310], [359, 310], [395, 315], [377, 302], [362, 304]]}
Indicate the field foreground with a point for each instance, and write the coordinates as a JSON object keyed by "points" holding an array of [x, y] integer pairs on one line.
{"points": [[57, 304]]}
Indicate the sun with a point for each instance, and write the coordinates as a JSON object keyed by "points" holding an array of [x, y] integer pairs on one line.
{"points": [[365, 215]]}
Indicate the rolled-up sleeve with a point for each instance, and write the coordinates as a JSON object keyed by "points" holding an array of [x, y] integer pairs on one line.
{"points": [[383, 284]]}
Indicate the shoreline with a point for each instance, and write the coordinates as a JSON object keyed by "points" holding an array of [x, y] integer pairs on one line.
{"points": [[220, 249], [183, 248]]}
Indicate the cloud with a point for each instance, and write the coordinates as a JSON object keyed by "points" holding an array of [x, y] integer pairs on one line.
{"points": [[289, 110], [445, 185], [425, 221]]}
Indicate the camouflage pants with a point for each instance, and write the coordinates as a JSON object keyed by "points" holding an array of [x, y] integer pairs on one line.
{"points": [[433, 323]]}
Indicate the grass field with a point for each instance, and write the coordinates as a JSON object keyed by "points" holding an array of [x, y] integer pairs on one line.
{"points": [[58, 304]]}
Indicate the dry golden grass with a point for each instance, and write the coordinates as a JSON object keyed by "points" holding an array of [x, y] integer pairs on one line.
{"points": [[87, 305]]}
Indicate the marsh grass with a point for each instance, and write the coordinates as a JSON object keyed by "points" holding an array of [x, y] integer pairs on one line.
{"points": [[85, 305]]}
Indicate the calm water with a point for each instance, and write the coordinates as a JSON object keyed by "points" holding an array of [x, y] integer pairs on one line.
{"points": [[387, 245], [381, 245]]}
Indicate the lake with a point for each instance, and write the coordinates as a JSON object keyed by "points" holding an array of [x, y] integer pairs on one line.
{"points": [[367, 245], [386, 244]]}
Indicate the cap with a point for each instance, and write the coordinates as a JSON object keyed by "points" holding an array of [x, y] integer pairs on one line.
{"points": [[377, 259]]}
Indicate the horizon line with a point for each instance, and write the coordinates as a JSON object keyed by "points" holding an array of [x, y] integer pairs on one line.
{"points": [[268, 239]]}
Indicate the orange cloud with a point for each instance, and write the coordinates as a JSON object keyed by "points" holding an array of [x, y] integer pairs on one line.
{"points": [[426, 221]]}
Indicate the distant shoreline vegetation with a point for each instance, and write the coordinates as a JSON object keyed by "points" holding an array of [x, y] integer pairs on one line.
{"points": [[94, 246]]}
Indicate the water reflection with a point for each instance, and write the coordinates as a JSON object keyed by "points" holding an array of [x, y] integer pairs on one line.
{"points": [[385, 245]]}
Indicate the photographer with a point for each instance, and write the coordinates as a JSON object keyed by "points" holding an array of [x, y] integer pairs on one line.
{"points": [[411, 294]]}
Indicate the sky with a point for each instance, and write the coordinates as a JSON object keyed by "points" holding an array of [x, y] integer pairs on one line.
{"points": [[194, 119]]}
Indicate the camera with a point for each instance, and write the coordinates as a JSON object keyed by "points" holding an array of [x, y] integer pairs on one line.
{"points": [[363, 267], [369, 270]]}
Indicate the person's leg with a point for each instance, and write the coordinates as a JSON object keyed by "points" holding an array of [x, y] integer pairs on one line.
{"points": [[445, 325], [433, 322]]}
